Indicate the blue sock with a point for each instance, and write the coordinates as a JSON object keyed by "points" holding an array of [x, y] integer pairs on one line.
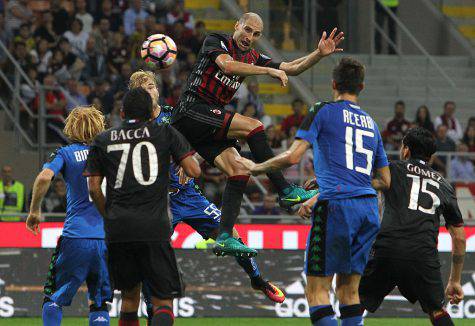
{"points": [[99, 318], [351, 315], [249, 265], [323, 316], [52, 314]]}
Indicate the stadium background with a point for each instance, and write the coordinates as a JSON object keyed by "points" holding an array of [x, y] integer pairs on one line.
{"points": [[64, 53]]}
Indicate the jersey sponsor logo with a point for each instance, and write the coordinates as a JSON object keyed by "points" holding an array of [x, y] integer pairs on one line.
{"points": [[81, 156], [232, 82], [129, 134], [216, 111], [358, 120]]}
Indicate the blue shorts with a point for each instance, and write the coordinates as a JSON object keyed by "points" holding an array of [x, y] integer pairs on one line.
{"points": [[191, 207], [74, 261], [341, 236]]}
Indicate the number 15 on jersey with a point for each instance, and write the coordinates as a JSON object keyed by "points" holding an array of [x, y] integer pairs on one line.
{"points": [[358, 135]]}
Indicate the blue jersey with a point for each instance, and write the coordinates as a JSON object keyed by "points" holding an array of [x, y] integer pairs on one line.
{"points": [[82, 218], [347, 147], [164, 118]]}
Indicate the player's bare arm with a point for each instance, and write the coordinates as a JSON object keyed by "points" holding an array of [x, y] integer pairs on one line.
{"points": [[231, 67], [454, 290], [326, 46], [382, 181], [40, 187], [282, 161], [191, 167], [96, 193]]}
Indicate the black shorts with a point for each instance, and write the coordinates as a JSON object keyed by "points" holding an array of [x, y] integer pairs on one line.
{"points": [[205, 127], [416, 280], [131, 263]]}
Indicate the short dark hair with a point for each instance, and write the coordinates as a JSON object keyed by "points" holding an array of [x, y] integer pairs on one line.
{"points": [[400, 102], [348, 76], [137, 104], [297, 100], [420, 142], [447, 103]]}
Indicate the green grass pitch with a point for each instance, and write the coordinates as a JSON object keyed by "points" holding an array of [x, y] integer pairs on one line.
{"points": [[236, 321]]}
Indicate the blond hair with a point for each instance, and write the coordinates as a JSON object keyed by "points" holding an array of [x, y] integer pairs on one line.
{"points": [[83, 124], [140, 77]]}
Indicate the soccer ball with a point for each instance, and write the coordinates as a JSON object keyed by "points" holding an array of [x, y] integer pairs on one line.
{"points": [[159, 50]]}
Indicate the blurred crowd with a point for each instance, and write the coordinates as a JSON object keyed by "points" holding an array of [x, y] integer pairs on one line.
{"points": [[449, 136], [84, 51]]}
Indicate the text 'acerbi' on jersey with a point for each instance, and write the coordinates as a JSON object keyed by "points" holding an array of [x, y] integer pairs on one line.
{"points": [[347, 148]]}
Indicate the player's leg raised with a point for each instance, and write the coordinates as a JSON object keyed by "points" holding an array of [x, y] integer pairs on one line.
{"points": [[253, 132]]}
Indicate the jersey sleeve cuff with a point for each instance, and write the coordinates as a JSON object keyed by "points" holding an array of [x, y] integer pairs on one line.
{"points": [[457, 225], [272, 64], [190, 153], [91, 174]]}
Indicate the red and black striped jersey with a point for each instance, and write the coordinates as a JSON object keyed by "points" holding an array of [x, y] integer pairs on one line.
{"points": [[207, 82]]}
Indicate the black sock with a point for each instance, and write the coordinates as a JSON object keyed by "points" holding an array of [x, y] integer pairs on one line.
{"points": [[163, 316], [232, 197], [128, 319], [442, 319], [261, 152], [249, 265]]}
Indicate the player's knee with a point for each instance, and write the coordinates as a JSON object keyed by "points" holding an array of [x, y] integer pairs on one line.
{"points": [[254, 126], [317, 292], [347, 294], [234, 168], [131, 298]]}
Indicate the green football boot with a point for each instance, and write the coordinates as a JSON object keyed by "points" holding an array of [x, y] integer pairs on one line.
{"points": [[226, 245], [294, 195]]}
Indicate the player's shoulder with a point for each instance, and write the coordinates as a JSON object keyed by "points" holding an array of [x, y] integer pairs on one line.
{"points": [[315, 108], [58, 151], [217, 36], [104, 136]]}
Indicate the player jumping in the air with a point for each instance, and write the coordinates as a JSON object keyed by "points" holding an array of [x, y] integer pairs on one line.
{"points": [[405, 251], [223, 63], [135, 160], [187, 203], [80, 255], [347, 149]]}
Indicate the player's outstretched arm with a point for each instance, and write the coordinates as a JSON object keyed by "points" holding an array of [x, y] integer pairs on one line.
{"points": [[230, 67], [95, 191], [326, 46], [282, 161], [454, 290], [191, 166], [40, 187], [382, 181]]}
